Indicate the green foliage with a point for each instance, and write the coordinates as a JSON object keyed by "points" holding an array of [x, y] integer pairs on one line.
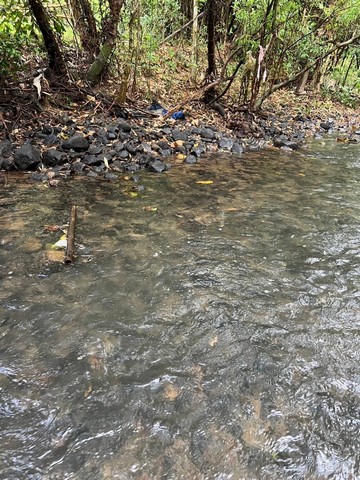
{"points": [[16, 34]]}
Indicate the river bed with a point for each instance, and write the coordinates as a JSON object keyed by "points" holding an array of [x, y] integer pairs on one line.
{"points": [[208, 329]]}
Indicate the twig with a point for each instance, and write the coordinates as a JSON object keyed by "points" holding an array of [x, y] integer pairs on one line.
{"points": [[183, 27], [70, 246]]}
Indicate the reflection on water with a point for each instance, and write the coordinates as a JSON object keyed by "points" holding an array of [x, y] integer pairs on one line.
{"points": [[204, 332]]}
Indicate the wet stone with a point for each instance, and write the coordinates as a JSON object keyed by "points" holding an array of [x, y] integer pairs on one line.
{"points": [[123, 154], [6, 164], [131, 148], [237, 148], [5, 147], [226, 143], [54, 157], [93, 160], [144, 148], [48, 139], [163, 145], [207, 133], [102, 136], [77, 167], [166, 153], [179, 135], [119, 146], [145, 158], [78, 143], [157, 166], [191, 159], [27, 157], [124, 126], [199, 150], [110, 176], [131, 167], [113, 129], [326, 126], [280, 141], [95, 150], [124, 136], [112, 136], [38, 177]]}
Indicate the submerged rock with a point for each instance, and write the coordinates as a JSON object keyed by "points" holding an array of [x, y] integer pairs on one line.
{"points": [[283, 141], [191, 159]]}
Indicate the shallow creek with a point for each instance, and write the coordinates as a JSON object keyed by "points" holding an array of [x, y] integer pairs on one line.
{"points": [[205, 330]]}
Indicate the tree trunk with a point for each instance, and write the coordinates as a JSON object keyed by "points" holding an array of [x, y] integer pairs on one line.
{"points": [[85, 25], [56, 60], [211, 69], [109, 33], [302, 83], [195, 34]]}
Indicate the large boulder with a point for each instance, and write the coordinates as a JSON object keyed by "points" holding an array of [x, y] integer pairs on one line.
{"points": [[27, 157]]}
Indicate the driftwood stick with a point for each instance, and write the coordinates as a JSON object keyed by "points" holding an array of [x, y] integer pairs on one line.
{"points": [[70, 246]]}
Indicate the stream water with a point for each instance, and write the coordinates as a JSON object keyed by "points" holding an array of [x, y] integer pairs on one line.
{"points": [[205, 330]]}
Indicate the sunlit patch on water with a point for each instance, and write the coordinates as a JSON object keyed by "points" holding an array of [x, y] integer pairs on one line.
{"points": [[206, 330]]}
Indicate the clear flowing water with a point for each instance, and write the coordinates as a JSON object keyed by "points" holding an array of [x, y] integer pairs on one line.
{"points": [[205, 331]]}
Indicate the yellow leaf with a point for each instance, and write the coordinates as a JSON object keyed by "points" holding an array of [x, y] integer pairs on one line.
{"points": [[171, 392], [181, 156], [205, 182], [133, 194], [150, 209], [55, 255], [213, 341], [88, 391]]}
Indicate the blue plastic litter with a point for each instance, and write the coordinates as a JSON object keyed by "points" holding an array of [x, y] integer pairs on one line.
{"points": [[180, 115], [158, 109]]}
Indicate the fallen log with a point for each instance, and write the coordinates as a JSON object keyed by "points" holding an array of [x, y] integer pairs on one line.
{"points": [[70, 245]]}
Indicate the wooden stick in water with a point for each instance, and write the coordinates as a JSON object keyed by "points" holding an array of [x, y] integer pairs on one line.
{"points": [[70, 246]]}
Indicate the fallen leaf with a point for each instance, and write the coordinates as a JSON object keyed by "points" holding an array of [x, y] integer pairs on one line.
{"points": [[52, 228], [213, 341], [170, 392], [88, 391], [133, 194], [55, 255], [150, 209], [204, 182]]}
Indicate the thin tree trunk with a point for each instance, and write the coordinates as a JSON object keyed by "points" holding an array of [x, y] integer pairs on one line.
{"points": [[85, 25], [109, 33], [211, 69], [302, 83], [56, 60], [195, 34]]}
